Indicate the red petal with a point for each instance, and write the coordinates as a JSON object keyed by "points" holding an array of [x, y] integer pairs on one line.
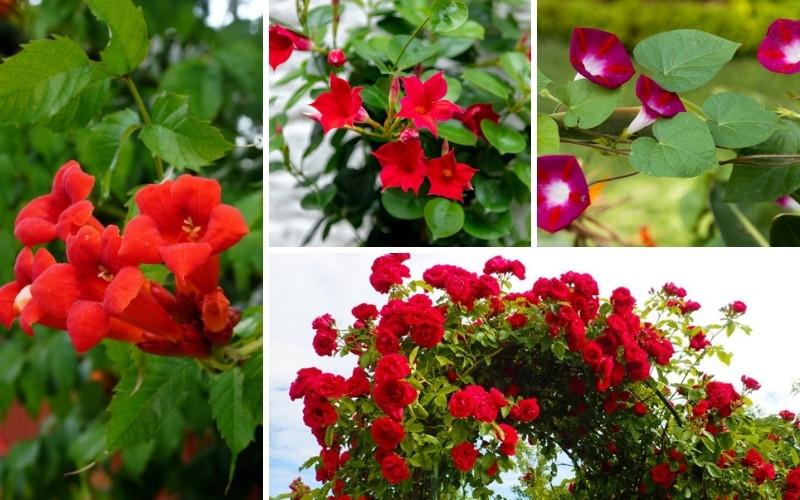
{"points": [[71, 184], [183, 258], [57, 289], [87, 324], [141, 241], [73, 217], [226, 227], [155, 201], [8, 294], [195, 196], [121, 291], [23, 267]]}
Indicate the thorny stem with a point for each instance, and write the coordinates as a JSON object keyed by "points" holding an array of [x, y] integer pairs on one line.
{"points": [[145, 118]]}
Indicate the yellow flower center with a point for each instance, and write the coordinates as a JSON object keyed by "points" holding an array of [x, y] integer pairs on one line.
{"points": [[192, 231]]}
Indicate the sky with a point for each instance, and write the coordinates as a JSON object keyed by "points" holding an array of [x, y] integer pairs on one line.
{"points": [[305, 284]]}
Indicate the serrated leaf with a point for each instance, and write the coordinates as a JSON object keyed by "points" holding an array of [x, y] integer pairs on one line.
{"points": [[86, 103], [137, 416], [684, 59], [128, 44], [548, 141], [102, 147], [40, 80], [737, 121], [179, 138], [447, 15], [683, 147], [253, 386], [588, 104], [444, 217], [235, 424]]}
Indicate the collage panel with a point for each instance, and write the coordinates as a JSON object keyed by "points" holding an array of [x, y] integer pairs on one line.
{"points": [[530, 374], [131, 249], [400, 123], [675, 126]]}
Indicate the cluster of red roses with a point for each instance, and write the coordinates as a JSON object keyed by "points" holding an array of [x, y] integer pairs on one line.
{"points": [[100, 291]]}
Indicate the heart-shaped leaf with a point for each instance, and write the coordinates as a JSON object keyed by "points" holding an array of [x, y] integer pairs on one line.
{"points": [[683, 147], [737, 121], [588, 104]]}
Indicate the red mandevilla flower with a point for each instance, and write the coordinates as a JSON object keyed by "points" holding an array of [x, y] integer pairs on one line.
{"points": [[341, 106], [424, 103], [600, 56], [779, 51], [562, 193], [402, 165], [449, 178], [282, 43], [473, 115]]}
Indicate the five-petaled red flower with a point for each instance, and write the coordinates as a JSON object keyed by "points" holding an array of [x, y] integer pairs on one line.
{"points": [[424, 103], [449, 178], [282, 43], [402, 165], [341, 106]]}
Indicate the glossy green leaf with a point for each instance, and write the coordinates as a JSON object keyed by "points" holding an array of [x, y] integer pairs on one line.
{"points": [[785, 231], [200, 79], [235, 423], [683, 147], [494, 194], [518, 67], [41, 79], [253, 386], [684, 59], [318, 200], [373, 49], [488, 226], [414, 12], [444, 217], [588, 104], [447, 15], [455, 132], [128, 44], [486, 81], [737, 121], [137, 416], [414, 53], [180, 138], [523, 171], [372, 96], [547, 138], [768, 182], [504, 138], [403, 204], [471, 29]]}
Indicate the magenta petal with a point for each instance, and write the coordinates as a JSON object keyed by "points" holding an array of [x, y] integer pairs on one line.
{"points": [[779, 51], [658, 101], [561, 191], [600, 56]]}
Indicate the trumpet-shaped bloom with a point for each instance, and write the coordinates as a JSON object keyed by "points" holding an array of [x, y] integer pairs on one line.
{"points": [[341, 106], [449, 178], [472, 116], [600, 56], [282, 43], [561, 191], [15, 297], [424, 103], [182, 223], [656, 103], [60, 212], [402, 165], [779, 51]]}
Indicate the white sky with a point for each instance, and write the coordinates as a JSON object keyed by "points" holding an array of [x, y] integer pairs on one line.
{"points": [[304, 285]]}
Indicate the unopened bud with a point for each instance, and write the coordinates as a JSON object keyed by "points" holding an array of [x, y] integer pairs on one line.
{"points": [[409, 134], [336, 58], [362, 115]]}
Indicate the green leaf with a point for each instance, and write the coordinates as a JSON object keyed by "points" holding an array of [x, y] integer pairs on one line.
{"points": [[785, 231], [447, 15], [102, 147], [404, 205], [488, 226], [253, 386], [683, 147], [128, 44], [137, 416], [471, 30], [724, 357], [487, 82], [85, 105], [504, 138], [493, 193], [40, 80], [541, 81], [455, 132], [684, 59], [547, 138], [376, 48], [371, 96], [318, 200], [414, 53], [88, 445], [588, 104], [737, 121], [200, 79], [179, 138], [523, 171], [518, 67], [444, 217], [236, 425]]}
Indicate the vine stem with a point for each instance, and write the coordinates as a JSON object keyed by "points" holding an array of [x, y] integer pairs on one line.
{"points": [[738, 160], [609, 179], [145, 118], [751, 229], [596, 146]]}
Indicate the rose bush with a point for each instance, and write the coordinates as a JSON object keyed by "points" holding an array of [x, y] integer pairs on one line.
{"points": [[746, 152], [426, 108], [131, 276], [614, 386]]}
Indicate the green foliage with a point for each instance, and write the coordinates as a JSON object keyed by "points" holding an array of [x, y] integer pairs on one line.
{"points": [[683, 147]]}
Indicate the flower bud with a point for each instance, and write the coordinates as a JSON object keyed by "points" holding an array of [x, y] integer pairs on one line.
{"points": [[409, 134], [336, 58]]}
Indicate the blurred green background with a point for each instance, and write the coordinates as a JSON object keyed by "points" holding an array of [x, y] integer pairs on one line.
{"points": [[672, 212]]}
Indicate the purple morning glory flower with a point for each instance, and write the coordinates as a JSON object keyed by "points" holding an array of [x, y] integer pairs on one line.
{"points": [[656, 102], [561, 191], [779, 51], [599, 56]]}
